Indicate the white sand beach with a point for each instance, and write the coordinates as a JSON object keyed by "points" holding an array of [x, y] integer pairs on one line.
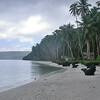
{"points": [[70, 84]]}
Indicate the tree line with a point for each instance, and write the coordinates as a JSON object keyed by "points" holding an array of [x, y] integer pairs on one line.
{"points": [[81, 42]]}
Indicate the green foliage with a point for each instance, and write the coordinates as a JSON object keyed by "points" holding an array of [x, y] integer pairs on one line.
{"points": [[98, 59], [60, 61], [78, 61]]}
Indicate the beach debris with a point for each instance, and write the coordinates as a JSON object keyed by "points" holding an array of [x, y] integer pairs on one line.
{"points": [[89, 71], [34, 78], [74, 65]]}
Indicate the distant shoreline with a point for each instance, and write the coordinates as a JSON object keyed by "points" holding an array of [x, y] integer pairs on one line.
{"points": [[23, 82], [11, 55], [49, 63]]}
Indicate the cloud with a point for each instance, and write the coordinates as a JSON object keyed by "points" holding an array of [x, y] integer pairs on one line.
{"points": [[33, 25], [24, 39], [23, 30], [28, 21]]}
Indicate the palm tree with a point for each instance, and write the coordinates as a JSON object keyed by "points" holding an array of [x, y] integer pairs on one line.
{"points": [[67, 37], [74, 10], [83, 7], [63, 40], [95, 14], [87, 31], [57, 34], [98, 3]]}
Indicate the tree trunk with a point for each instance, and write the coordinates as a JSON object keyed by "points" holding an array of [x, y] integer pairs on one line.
{"points": [[88, 49], [76, 20], [93, 49], [63, 51], [57, 51], [70, 49], [97, 45], [79, 40], [53, 52]]}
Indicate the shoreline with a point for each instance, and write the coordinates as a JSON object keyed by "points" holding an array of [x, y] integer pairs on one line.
{"points": [[70, 84], [49, 63], [24, 82]]}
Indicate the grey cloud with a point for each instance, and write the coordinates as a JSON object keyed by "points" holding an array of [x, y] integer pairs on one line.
{"points": [[55, 11], [15, 10]]}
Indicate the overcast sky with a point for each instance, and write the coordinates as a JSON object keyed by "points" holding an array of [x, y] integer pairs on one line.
{"points": [[23, 23]]}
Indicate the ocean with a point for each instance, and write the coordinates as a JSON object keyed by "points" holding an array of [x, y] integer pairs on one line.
{"points": [[14, 73]]}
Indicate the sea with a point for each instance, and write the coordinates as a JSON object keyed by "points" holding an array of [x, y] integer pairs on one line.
{"points": [[14, 73]]}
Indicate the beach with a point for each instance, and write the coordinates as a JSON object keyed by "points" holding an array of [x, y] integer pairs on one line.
{"points": [[71, 84]]}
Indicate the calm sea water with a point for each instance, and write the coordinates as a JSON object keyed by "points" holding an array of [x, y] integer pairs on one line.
{"points": [[14, 73]]}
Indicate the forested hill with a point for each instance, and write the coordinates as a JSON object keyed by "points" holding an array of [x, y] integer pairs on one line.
{"points": [[13, 54], [76, 43]]}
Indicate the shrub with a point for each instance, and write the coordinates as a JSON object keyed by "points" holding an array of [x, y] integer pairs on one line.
{"points": [[98, 58]]}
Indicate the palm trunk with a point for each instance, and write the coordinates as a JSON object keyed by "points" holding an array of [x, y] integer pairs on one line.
{"points": [[50, 52], [80, 45], [53, 53], [79, 40], [57, 51], [76, 20], [70, 49], [93, 53], [93, 49], [68, 52], [97, 45], [63, 51], [48, 56], [88, 48]]}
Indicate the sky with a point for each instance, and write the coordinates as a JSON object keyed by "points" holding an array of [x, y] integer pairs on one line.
{"points": [[23, 23]]}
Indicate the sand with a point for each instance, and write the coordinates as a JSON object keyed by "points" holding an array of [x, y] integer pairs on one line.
{"points": [[70, 84]]}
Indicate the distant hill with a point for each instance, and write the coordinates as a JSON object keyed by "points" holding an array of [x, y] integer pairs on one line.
{"points": [[13, 54]]}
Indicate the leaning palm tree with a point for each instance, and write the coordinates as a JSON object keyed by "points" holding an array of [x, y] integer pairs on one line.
{"points": [[67, 36], [87, 32], [62, 36], [98, 3], [75, 11], [96, 26], [57, 34]]}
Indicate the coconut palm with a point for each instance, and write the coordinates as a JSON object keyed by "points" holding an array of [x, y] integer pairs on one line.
{"points": [[67, 36], [74, 10], [83, 7], [57, 41], [98, 3], [95, 14], [87, 31]]}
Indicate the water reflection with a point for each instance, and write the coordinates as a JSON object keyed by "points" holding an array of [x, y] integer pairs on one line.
{"points": [[18, 71], [41, 69]]}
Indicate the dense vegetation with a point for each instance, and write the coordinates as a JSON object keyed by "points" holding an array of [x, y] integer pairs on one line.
{"points": [[77, 43]]}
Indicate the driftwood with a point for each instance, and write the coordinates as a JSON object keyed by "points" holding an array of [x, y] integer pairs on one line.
{"points": [[74, 65], [89, 71]]}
